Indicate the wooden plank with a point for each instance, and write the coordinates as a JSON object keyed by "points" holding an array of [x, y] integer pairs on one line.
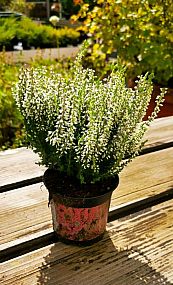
{"points": [[19, 164], [24, 215], [27, 215], [146, 176], [135, 250], [160, 132], [14, 167]]}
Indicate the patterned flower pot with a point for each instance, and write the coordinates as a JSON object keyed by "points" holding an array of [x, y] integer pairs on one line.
{"points": [[81, 218]]}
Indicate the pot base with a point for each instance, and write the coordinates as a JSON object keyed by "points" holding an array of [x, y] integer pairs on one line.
{"points": [[79, 243]]}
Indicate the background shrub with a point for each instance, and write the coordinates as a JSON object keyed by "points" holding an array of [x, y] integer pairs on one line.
{"points": [[10, 120], [140, 32], [34, 35]]}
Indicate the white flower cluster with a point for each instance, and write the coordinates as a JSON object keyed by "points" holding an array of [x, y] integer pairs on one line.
{"points": [[81, 125]]}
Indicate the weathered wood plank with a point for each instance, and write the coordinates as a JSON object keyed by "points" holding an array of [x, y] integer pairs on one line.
{"points": [[160, 132], [136, 250], [19, 164], [26, 213], [146, 176]]}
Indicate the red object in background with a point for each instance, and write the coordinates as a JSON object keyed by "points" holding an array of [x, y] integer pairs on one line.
{"points": [[165, 110]]}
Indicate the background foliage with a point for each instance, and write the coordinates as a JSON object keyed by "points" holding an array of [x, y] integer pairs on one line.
{"points": [[140, 32], [31, 34], [10, 119], [15, 5]]}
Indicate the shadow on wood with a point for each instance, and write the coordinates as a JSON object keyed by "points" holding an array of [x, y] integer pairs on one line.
{"points": [[100, 264]]}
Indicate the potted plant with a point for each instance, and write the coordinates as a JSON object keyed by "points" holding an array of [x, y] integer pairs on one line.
{"points": [[85, 130]]}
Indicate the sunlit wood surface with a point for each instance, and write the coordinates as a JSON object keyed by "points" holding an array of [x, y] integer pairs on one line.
{"points": [[137, 248]]}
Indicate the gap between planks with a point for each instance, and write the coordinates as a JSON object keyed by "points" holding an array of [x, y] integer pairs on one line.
{"points": [[114, 214], [159, 136], [38, 179], [28, 217]]}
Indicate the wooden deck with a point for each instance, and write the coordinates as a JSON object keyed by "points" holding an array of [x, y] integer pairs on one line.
{"points": [[137, 247]]}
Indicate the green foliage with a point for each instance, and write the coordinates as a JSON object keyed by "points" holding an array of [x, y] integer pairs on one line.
{"points": [[10, 119], [141, 32], [4, 4], [7, 32], [19, 6], [35, 35], [14, 5], [81, 125]]}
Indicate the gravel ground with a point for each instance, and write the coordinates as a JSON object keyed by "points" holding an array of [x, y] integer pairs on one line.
{"points": [[27, 55]]}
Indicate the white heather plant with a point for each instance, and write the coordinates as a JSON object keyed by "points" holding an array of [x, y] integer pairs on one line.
{"points": [[83, 126]]}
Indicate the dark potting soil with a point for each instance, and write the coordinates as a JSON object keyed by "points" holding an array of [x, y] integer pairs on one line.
{"points": [[58, 182]]}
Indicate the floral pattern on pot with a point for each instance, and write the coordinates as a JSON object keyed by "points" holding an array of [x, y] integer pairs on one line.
{"points": [[79, 224]]}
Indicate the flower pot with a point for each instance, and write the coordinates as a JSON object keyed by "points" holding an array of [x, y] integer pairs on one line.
{"points": [[80, 218]]}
